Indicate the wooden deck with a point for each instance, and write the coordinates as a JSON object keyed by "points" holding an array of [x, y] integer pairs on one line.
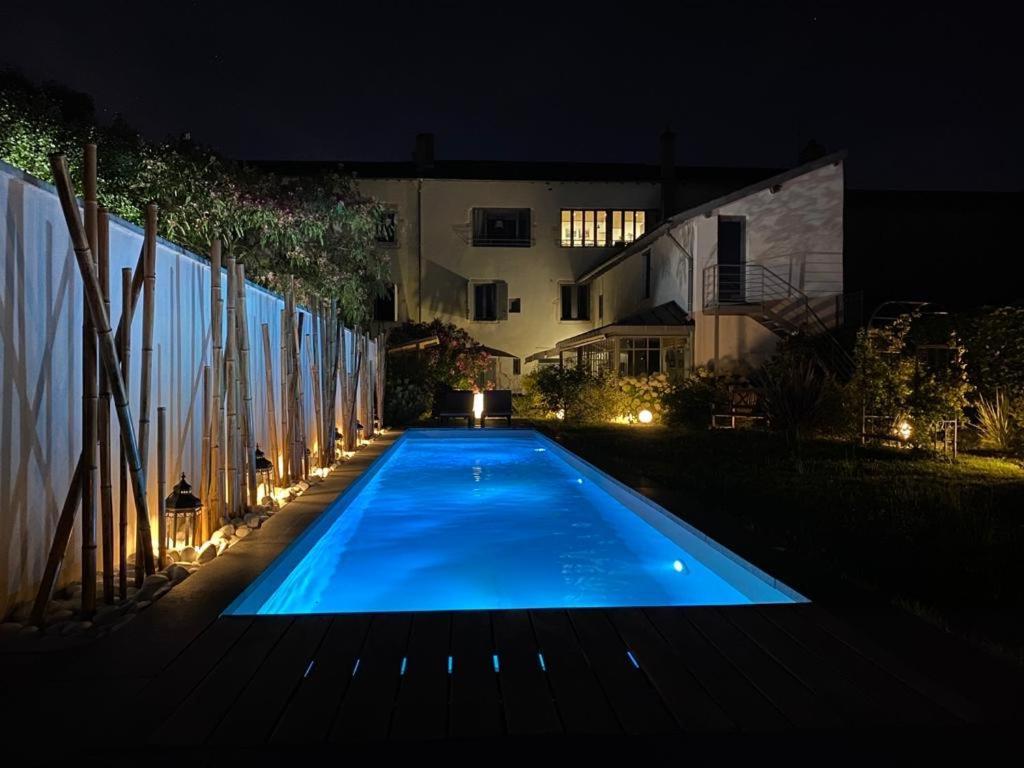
{"points": [[716, 681]]}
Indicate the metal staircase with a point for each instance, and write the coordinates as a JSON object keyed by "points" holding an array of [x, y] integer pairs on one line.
{"points": [[754, 290]]}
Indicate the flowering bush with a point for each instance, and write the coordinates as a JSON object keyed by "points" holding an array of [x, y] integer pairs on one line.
{"points": [[645, 392]]}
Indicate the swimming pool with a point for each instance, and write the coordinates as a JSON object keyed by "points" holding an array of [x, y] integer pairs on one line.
{"points": [[456, 519]]}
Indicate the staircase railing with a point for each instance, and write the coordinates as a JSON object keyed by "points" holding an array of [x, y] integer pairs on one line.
{"points": [[755, 285]]}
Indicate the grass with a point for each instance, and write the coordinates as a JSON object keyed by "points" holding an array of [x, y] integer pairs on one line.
{"points": [[942, 539]]}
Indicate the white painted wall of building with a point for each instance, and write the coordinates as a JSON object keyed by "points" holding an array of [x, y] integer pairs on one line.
{"points": [[41, 311], [533, 274]]}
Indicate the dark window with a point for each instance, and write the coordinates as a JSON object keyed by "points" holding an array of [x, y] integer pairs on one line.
{"points": [[517, 366], [731, 258], [385, 308], [575, 302], [387, 227], [485, 301], [504, 227], [514, 305], [647, 274]]}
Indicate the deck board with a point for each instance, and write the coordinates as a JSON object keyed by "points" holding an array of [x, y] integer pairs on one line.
{"points": [[813, 671], [422, 708], [195, 719], [900, 703], [365, 713], [273, 683], [789, 695], [581, 703], [636, 702], [525, 692], [309, 713], [475, 707], [743, 702], [693, 707]]}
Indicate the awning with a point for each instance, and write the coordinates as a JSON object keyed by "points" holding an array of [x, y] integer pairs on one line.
{"points": [[415, 344], [496, 352], [666, 319]]}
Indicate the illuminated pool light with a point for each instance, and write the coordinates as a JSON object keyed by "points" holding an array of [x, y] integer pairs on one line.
{"points": [[678, 566], [632, 659], [497, 666]]}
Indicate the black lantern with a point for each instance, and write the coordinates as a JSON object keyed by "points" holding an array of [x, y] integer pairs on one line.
{"points": [[182, 504], [264, 471]]}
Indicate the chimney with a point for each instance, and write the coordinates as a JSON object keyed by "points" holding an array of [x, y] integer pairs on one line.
{"points": [[668, 173], [424, 154]]}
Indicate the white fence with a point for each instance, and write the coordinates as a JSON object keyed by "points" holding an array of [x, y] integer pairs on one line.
{"points": [[41, 312]]}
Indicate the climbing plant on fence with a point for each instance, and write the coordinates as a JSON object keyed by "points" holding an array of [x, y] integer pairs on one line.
{"points": [[318, 229]]}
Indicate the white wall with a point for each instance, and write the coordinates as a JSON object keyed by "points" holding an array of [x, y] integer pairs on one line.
{"points": [[41, 308], [533, 274]]}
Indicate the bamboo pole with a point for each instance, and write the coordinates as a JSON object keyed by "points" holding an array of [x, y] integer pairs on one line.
{"points": [[125, 347], [231, 371], [271, 410], [300, 410], [337, 336], [286, 473], [314, 376], [61, 537], [161, 484], [249, 439], [103, 420], [216, 415], [136, 292], [146, 385], [205, 458], [105, 342], [343, 376], [89, 402]]}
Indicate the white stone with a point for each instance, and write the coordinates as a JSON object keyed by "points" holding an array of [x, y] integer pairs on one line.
{"points": [[208, 552], [303, 485], [173, 555], [242, 531], [224, 532], [221, 545], [188, 555]]}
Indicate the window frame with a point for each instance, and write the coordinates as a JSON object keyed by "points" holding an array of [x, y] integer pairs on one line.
{"points": [[574, 302], [478, 227], [584, 221]]}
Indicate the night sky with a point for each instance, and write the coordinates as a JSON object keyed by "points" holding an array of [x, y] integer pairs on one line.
{"points": [[925, 98]]}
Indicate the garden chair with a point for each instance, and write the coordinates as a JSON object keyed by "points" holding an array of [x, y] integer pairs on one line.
{"points": [[457, 404], [497, 405]]}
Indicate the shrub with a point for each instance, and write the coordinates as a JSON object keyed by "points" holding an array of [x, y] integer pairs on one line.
{"points": [[529, 404], [407, 401], [643, 392], [800, 395], [691, 402], [997, 425], [581, 396]]}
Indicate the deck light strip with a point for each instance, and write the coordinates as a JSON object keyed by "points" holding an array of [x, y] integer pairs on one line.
{"points": [[543, 666], [497, 666], [355, 668], [309, 668], [449, 665], [405, 660], [632, 658]]}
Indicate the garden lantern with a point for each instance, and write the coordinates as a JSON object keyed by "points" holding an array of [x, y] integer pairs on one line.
{"points": [[264, 471], [182, 504], [645, 416]]}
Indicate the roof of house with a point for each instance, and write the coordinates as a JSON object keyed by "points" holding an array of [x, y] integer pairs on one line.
{"points": [[706, 207], [512, 170]]}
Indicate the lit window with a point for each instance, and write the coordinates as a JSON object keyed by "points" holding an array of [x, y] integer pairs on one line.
{"points": [[601, 227]]}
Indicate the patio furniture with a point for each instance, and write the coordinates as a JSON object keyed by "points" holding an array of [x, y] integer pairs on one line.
{"points": [[497, 405], [745, 408], [457, 404]]}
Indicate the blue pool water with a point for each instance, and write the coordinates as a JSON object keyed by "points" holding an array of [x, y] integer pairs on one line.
{"points": [[471, 519]]}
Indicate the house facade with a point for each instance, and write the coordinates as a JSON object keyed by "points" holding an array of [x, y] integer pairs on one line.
{"points": [[630, 268]]}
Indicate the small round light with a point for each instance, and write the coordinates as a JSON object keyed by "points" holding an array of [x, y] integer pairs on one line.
{"points": [[645, 416], [678, 566], [560, 413], [904, 430], [579, 480]]}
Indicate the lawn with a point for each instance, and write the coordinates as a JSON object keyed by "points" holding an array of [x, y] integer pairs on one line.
{"points": [[942, 539]]}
